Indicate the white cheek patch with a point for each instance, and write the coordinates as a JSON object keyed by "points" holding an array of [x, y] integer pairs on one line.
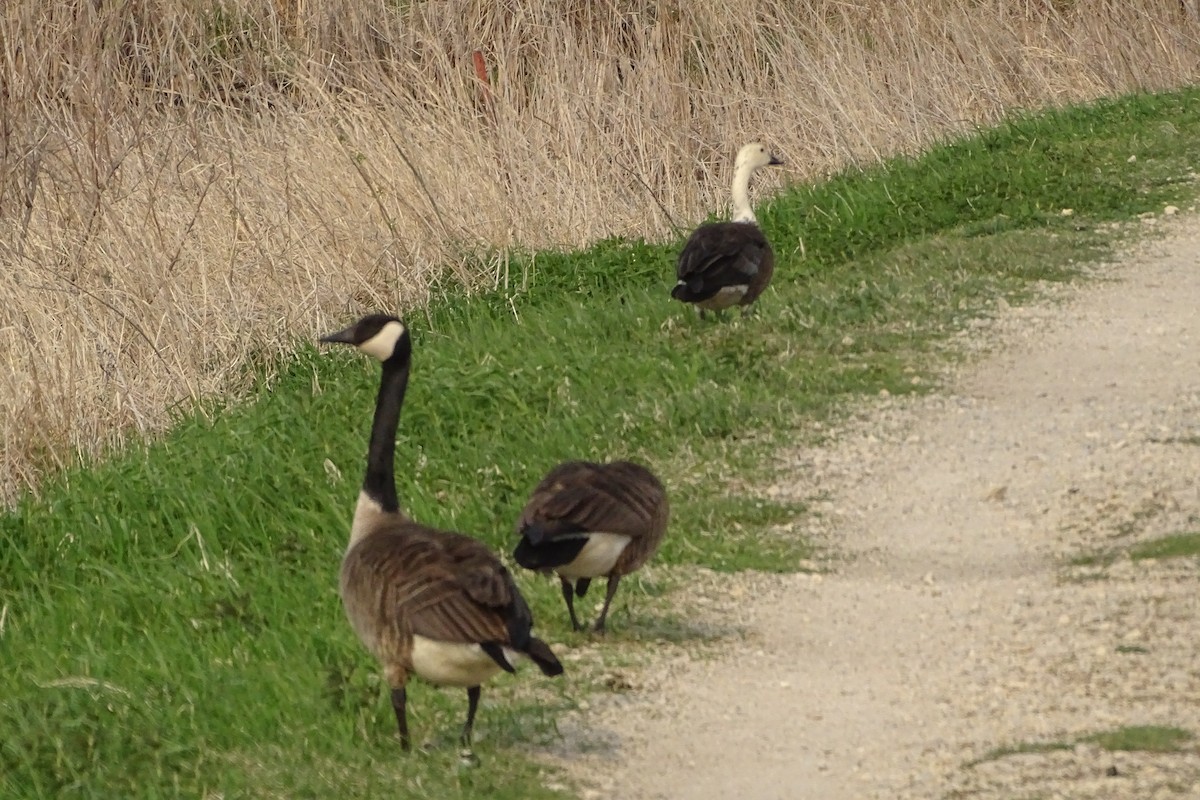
{"points": [[383, 344]]}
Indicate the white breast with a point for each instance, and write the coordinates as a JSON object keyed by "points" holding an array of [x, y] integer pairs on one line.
{"points": [[597, 557], [454, 663]]}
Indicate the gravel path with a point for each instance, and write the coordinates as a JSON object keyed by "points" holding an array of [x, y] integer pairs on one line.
{"points": [[958, 625]]}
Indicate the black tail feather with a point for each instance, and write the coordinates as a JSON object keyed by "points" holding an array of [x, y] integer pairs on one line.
{"points": [[496, 653]]}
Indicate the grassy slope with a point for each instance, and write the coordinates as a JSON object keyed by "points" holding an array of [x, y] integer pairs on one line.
{"points": [[171, 624]]}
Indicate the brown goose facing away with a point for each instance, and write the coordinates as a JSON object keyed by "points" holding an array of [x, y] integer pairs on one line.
{"points": [[724, 264], [425, 602], [586, 520]]}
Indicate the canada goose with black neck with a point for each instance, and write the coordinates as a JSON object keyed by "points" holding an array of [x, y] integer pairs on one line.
{"points": [[724, 264], [426, 602], [586, 520]]}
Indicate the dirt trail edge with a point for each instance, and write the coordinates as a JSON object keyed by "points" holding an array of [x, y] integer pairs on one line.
{"points": [[964, 619]]}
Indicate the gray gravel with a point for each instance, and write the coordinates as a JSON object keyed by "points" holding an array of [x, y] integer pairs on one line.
{"points": [[956, 625]]}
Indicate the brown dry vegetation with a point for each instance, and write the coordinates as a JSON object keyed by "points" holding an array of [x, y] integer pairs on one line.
{"points": [[185, 186]]}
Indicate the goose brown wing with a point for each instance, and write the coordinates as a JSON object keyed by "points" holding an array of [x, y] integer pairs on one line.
{"points": [[452, 588], [474, 598], [721, 254], [580, 496]]}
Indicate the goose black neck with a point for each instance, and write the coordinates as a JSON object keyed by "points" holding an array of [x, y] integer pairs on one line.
{"points": [[380, 481]]}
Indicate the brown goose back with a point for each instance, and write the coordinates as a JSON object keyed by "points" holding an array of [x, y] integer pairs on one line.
{"points": [[620, 498], [405, 579]]}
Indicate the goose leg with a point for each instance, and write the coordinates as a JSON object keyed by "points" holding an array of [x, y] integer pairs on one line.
{"points": [[568, 593], [472, 706], [399, 703], [608, 596], [703, 315]]}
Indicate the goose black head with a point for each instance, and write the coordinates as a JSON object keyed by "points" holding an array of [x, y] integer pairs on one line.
{"points": [[380, 336]]}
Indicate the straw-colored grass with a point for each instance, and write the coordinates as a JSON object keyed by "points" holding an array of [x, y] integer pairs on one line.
{"points": [[187, 186]]}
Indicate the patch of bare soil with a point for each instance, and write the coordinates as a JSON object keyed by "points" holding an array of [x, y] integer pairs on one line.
{"points": [[957, 624]]}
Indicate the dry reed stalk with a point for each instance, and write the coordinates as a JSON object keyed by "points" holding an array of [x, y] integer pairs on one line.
{"points": [[186, 186]]}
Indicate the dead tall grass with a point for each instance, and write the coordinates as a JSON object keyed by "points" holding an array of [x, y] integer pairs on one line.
{"points": [[186, 186]]}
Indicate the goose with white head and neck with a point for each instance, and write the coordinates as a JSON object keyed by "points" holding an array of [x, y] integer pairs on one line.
{"points": [[726, 264], [428, 603]]}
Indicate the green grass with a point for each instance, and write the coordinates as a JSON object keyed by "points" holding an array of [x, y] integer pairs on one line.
{"points": [[1185, 440], [1097, 559], [1142, 738], [172, 627], [1180, 545], [1020, 749]]}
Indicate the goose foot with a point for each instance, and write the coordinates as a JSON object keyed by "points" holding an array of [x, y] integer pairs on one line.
{"points": [[610, 590], [568, 593], [472, 706]]}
